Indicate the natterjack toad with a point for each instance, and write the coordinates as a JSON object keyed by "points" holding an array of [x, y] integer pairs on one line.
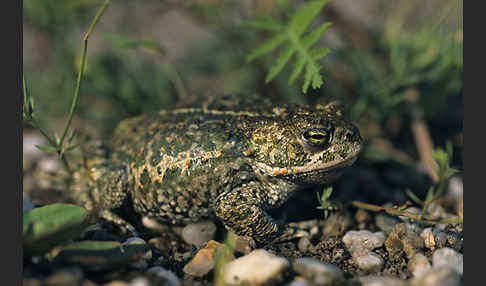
{"points": [[221, 160]]}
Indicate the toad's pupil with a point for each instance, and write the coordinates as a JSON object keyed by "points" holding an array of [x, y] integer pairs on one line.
{"points": [[317, 136]]}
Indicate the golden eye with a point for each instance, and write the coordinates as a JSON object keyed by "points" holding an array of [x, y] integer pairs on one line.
{"points": [[316, 137]]}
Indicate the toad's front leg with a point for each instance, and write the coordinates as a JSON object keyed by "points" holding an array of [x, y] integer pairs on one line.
{"points": [[242, 210]]}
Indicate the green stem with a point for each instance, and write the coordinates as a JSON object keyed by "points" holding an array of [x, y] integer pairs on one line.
{"points": [[74, 103], [398, 212], [176, 79]]}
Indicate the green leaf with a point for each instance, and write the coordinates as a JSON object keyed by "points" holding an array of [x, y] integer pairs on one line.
{"points": [[45, 148], [266, 24], [299, 65], [47, 226], [315, 35], [282, 60], [326, 193], [71, 147], [318, 54], [304, 17], [267, 47], [294, 43], [312, 76]]}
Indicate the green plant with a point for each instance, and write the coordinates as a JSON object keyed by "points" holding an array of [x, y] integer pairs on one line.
{"points": [[292, 35], [324, 203], [425, 59], [56, 143], [444, 171], [223, 255]]}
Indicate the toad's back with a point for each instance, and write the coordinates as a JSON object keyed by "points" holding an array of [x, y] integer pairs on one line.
{"points": [[179, 161]]}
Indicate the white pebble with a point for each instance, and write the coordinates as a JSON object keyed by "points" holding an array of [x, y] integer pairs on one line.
{"points": [[418, 264], [140, 281], [441, 276], [381, 281], [316, 272], [256, 268], [304, 244], [371, 262], [448, 257], [363, 241], [299, 283], [456, 187], [198, 234]]}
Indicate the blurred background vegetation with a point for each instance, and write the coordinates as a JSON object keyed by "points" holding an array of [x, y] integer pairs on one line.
{"points": [[391, 62]]}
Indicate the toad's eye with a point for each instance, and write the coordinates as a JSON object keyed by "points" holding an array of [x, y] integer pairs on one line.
{"points": [[316, 137]]}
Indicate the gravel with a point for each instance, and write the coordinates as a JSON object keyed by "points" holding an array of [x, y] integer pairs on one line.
{"points": [[316, 272]]}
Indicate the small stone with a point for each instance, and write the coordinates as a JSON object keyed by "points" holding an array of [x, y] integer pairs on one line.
{"points": [[314, 231], [63, 277], [363, 241], [362, 217], [385, 222], [304, 244], [203, 261], [140, 264], [316, 272], [371, 262], [139, 281], [436, 211], [335, 225], [257, 268], [199, 233], [28, 204], [456, 187], [418, 264], [448, 257], [428, 236], [167, 276], [403, 239], [138, 240], [299, 282], [243, 244], [441, 276], [381, 281], [119, 283]]}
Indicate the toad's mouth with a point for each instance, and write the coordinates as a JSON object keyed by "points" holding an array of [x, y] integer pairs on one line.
{"points": [[316, 167]]}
